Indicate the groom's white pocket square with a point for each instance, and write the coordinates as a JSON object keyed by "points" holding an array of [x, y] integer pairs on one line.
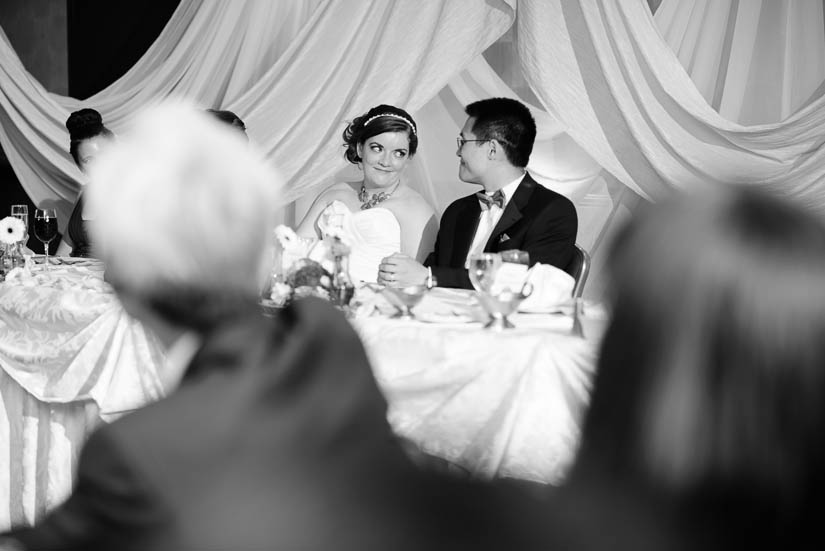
{"points": [[504, 237]]}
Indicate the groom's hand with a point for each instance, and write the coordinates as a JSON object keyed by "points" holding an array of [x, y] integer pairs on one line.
{"points": [[400, 270]]}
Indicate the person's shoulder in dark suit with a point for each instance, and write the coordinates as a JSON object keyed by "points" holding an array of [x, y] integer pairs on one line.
{"points": [[553, 229], [277, 436]]}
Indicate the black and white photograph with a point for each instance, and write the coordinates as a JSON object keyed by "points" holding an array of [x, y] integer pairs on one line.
{"points": [[315, 275]]}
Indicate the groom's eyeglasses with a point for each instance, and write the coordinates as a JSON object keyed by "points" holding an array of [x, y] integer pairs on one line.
{"points": [[461, 141]]}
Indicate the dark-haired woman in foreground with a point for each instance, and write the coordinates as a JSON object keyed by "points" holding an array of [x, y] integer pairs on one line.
{"points": [[87, 138], [381, 212], [705, 429]]}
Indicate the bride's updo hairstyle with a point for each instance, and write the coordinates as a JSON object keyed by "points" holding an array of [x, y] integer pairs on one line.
{"points": [[379, 119], [83, 125]]}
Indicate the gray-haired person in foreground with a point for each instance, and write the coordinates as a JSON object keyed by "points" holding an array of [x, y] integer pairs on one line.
{"points": [[276, 437]]}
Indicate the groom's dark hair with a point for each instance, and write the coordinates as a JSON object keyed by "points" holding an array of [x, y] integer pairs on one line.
{"points": [[507, 121]]}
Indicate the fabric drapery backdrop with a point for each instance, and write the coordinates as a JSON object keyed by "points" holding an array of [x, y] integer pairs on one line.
{"points": [[602, 68], [754, 62], [292, 70], [618, 111]]}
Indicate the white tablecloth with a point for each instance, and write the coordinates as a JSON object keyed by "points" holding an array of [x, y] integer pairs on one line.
{"points": [[69, 358], [498, 404], [503, 403]]}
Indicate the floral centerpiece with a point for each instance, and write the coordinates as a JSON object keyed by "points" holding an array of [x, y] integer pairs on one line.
{"points": [[308, 267], [12, 230], [12, 233]]}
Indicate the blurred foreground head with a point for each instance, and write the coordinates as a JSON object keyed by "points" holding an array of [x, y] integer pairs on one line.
{"points": [[713, 368], [183, 212]]}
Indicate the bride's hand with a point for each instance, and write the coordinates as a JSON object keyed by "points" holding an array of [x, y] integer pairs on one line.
{"points": [[400, 270]]}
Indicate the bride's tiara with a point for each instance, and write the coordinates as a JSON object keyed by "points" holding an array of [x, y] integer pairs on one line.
{"points": [[394, 116]]}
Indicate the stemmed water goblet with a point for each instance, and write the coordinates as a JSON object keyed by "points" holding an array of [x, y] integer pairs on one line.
{"points": [[482, 269], [45, 229], [406, 297], [500, 291]]}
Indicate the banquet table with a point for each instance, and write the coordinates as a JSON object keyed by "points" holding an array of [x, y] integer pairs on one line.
{"points": [[493, 403], [496, 403]]}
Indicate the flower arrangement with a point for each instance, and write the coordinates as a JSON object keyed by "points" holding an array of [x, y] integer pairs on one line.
{"points": [[12, 230], [12, 233], [307, 267], [303, 279]]}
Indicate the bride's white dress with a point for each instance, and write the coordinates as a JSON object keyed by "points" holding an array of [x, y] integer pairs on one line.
{"points": [[372, 234]]}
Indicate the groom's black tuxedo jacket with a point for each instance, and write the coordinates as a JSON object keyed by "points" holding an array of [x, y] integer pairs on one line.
{"points": [[536, 220], [276, 439]]}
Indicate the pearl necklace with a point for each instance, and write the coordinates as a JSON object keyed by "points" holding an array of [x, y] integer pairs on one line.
{"points": [[368, 202]]}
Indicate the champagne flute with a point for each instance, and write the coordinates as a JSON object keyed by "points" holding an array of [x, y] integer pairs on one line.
{"points": [[22, 212], [45, 229]]}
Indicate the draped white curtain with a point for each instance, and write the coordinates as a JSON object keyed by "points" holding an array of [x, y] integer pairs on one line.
{"points": [[602, 68], [209, 52], [754, 61], [707, 92], [294, 71]]}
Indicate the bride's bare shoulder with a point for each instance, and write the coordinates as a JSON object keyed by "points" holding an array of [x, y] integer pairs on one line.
{"points": [[340, 191], [412, 202]]}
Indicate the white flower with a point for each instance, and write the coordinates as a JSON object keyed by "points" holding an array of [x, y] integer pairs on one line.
{"points": [[281, 293], [285, 234], [341, 235], [12, 230]]}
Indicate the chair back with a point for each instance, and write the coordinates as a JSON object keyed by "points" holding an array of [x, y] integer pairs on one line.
{"points": [[579, 268]]}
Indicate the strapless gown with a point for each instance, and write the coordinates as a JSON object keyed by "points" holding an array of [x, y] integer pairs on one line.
{"points": [[372, 234]]}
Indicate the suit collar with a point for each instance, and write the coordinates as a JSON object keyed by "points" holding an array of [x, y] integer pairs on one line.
{"points": [[220, 348], [510, 188], [513, 211]]}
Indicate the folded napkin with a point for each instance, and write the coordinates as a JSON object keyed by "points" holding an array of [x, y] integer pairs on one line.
{"points": [[369, 300], [552, 289]]}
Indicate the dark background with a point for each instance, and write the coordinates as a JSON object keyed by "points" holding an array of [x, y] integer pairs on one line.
{"points": [[75, 47], [106, 38]]}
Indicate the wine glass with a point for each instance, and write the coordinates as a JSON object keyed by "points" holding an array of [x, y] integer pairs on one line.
{"points": [[45, 229], [501, 285], [482, 269], [22, 212]]}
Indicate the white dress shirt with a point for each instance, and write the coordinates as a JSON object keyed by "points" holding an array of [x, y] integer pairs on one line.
{"points": [[489, 218]]}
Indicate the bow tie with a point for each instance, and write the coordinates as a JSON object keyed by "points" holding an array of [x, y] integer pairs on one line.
{"points": [[487, 201]]}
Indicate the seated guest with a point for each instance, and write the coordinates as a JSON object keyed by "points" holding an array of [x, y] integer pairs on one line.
{"points": [[230, 118], [277, 436], [512, 211], [88, 138], [705, 424], [381, 213]]}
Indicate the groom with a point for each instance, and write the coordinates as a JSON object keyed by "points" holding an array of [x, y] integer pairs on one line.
{"points": [[512, 211]]}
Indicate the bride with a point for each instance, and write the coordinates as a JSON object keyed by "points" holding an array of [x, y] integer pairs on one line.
{"points": [[380, 214]]}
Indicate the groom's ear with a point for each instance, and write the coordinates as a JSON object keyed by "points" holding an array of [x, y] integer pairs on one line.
{"points": [[495, 150]]}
